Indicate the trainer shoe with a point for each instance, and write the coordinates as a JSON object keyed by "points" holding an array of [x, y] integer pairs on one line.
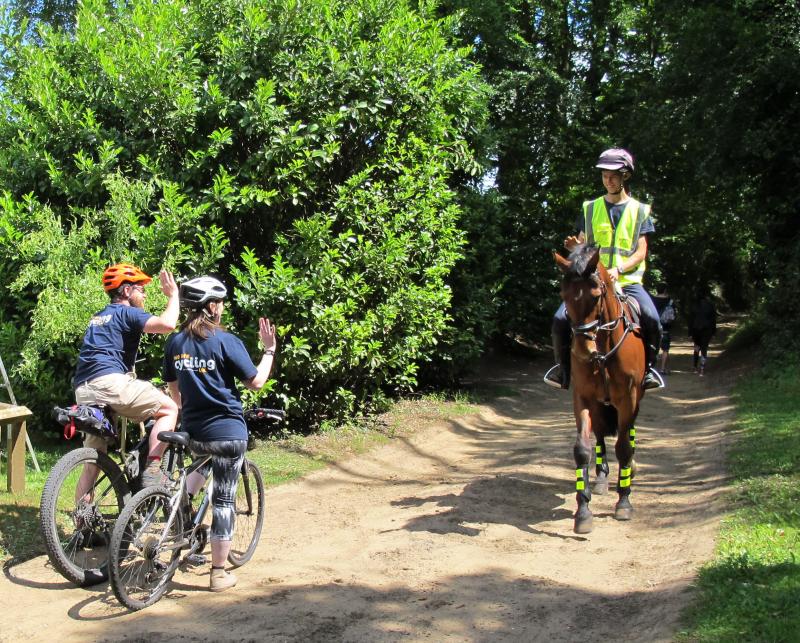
{"points": [[652, 380], [153, 476], [221, 580], [195, 560]]}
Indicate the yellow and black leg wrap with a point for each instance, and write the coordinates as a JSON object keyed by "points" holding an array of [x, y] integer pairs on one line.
{"points": [[624, 486], [632, 434], [600, 462], [582, 483]]}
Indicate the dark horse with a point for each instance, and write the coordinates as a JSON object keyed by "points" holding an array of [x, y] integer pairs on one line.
{"points": [[608, 365]]}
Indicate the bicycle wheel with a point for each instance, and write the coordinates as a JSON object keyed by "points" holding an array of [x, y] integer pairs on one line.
{"points": [[76, 525], [144, 552], [249, 514]]}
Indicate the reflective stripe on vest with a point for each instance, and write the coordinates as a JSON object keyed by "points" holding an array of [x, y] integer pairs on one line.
{"points": [[618, 243]]}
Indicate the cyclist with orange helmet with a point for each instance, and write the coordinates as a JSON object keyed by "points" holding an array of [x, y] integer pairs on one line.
{"points": [[104, 374]]}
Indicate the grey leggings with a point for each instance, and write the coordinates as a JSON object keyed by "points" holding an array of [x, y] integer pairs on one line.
{"points": [[227, 457]]}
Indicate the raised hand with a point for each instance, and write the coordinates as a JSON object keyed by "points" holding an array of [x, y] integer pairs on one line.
{"points": [[266, 333], [168, 285], [571, 242]]}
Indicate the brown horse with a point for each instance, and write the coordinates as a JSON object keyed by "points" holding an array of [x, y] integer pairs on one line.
{"points": [[608, 365]]}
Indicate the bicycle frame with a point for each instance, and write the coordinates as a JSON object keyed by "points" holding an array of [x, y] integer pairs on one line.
{"points": [[180, 499]]}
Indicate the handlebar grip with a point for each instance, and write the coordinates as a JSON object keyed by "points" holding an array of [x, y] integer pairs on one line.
{"points": [[259, 413]]}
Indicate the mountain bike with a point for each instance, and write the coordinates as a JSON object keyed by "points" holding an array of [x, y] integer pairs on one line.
{"points": [[160, 527], [76, 523]]}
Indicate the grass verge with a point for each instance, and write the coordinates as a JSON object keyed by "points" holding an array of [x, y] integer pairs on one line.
{"points": [[751, 590], [280, 460]]}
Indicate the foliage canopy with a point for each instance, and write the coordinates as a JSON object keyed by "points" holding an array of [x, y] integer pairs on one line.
{"points": [[302, 150]]}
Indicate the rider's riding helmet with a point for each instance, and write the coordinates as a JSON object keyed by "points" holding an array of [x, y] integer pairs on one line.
{"points": [[616, 159], [120, 273], [197, 292]]}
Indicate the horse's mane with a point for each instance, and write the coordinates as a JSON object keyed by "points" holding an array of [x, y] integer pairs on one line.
{"points": [[580, 261]]}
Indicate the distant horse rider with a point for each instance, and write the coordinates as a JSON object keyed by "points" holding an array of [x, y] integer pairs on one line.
{"points": [[702, 327]]}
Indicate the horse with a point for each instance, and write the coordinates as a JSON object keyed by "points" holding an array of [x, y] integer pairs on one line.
{"points": [[608, 366]]}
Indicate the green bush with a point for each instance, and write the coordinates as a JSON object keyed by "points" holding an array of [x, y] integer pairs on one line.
{"points": [[303, 151]]}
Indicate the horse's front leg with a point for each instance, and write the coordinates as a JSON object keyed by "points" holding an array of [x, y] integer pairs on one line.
{"points": [[583, 457], [625, 447]]}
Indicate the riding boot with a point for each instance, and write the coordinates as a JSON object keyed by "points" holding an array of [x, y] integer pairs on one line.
{"points": [[652, 379], [558, 375]]}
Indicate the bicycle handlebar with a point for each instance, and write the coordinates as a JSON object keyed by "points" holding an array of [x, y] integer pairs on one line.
{"points": [[262, 414]]}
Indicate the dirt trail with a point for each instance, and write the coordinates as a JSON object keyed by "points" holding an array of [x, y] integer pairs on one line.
{"points": [[461, 533]]}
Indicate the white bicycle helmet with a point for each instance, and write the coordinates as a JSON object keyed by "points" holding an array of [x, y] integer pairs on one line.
{"points": [[197, 292]]}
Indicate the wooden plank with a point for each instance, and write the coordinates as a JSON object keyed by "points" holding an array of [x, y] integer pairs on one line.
{"points": [[14, 417], [16, 457], [11, 412]]}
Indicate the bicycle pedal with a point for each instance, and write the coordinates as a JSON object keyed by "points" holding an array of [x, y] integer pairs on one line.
{"points": [[195, 560]]}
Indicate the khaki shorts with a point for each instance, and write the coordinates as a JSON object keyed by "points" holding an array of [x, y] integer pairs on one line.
{"points": [[134, 399]]}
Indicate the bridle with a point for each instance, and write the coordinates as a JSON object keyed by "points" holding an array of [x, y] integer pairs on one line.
{"points": [[590, 331]]}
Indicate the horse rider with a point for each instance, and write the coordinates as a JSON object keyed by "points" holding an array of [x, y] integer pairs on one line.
{"points": [[620, 225]]}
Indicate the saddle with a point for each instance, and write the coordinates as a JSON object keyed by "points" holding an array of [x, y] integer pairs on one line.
{"points": [[630, 310]]}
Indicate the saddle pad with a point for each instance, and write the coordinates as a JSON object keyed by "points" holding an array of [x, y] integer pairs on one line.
{"points": [[631, 308]]}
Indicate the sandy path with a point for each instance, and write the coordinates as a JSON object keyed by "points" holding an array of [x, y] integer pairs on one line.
{"points": [[462, 533]]}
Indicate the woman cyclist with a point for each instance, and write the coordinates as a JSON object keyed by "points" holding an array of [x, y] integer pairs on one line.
{"points": [[201, 364]]}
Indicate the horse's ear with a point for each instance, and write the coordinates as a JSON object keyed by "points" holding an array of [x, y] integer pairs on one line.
{"points": [[594, 257], [563, 264]]}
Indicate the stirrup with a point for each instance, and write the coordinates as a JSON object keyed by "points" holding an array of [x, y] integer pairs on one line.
{"points": [[656, 381], [550, 377]]}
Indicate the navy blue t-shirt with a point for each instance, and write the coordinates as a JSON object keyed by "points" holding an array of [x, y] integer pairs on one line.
{"points": [[206, 370], [110, 343]]}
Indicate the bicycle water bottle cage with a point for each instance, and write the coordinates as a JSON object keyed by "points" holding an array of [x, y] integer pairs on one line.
{"points": [[85, 418]]}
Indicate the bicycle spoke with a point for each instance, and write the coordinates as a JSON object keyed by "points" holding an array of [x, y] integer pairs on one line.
{"points": [[146, 549]]}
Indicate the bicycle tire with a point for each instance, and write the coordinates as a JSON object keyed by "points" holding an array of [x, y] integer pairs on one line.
{"points": [[249, 514], [143, 560], [76, 534]]}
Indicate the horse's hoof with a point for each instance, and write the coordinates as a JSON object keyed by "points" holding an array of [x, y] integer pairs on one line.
{"points": [[583, 521], [623, 512], [600, 486]]}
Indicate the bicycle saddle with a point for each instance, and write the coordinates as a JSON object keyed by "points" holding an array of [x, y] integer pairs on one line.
{"points": [[175, 437]]}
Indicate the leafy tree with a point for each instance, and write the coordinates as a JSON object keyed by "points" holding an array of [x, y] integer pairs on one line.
{"points": [[706, 117], [721, 138], [306, 148], [29, 15]]}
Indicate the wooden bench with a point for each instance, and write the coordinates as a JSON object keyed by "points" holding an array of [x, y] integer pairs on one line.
{"points": [[14, 417]]}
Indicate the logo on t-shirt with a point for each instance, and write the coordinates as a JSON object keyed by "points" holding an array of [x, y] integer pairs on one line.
{"points": [[186, 362], [99, 320]]}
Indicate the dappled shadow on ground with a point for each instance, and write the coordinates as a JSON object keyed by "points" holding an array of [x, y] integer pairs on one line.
{"points": [[460, 533], [680, 434], [518, 501], [491, 606]]}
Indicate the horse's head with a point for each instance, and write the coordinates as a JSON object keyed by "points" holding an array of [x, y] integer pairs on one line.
{"points": [[583, 287]]}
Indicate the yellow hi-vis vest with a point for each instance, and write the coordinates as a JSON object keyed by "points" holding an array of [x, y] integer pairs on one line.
{"points": [[616, 244]]}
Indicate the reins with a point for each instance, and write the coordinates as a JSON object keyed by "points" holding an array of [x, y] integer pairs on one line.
{"points": [[591, 329]]}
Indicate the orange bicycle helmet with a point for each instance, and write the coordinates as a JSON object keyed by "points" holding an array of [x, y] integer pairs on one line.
{"points": [[120, 273]]}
